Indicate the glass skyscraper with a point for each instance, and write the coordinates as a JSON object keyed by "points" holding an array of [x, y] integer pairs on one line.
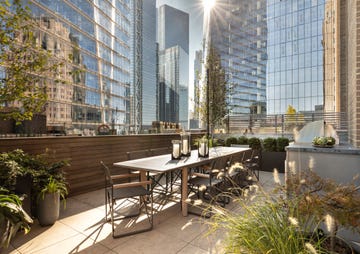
{"points": [[239, 33], [93, 40], [173, 39], [295, 55], [144, 64]]}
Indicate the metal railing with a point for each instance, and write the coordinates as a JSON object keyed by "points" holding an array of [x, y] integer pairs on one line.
{"points": [[284, 124]]}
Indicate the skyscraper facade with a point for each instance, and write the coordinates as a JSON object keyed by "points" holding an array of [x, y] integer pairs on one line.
{"points": [[239, 33], [93, 40], [144, 83], [295, 55], [194, 118], [173, 39]]}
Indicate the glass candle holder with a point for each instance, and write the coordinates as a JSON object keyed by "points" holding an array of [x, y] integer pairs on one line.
{"points": [[176, 150], [203, 147], [185, 144]]}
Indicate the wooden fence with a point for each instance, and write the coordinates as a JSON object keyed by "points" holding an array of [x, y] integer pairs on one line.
{"points": [[85, 153]]}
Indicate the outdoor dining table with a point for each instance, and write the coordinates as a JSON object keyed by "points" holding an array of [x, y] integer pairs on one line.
{"points": [[164, 164]]}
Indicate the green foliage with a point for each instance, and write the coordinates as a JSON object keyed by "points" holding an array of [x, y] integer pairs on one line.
{"points": [[242, 140], [40, 167], [12, 217], [254, 143], [217, 83], [231, 140], [54, 186], [323, 141], [269, 144], [281, 143], [27, 65], [267, 223]]}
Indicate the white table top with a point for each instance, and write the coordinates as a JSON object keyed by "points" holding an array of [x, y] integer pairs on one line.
{"points": [[164, 163]]}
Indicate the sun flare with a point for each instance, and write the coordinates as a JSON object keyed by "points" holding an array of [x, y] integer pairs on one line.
{"points": [[208, 4]]}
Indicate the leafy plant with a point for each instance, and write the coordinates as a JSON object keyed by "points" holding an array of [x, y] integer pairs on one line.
{"points": [[54, 186], [281, 143], [269, 144], [267, 223], [12, 217], [231, 140], [242, 140], [254, 143], [323, 141]]}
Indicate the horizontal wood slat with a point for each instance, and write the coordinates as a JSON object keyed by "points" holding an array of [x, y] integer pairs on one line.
{"points": [[85, 153]]}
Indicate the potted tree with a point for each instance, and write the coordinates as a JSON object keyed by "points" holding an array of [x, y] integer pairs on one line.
{"points": [[273, 154], [48, 207], [12, 217]]}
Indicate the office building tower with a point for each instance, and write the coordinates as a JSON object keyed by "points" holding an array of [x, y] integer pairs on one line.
{"points": [[331, 42], [173, 89], [173, 39], [295, 55], [194, 119], [350, 65], [239, 33], [144, 83], [93, 40], [173, 28]]}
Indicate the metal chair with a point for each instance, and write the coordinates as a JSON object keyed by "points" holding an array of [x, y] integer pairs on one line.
{"points": [[207, 184], [253, 163], [116, 189]]}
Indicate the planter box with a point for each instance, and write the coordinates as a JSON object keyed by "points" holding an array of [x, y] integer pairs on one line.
{"points": [[271, 160]]}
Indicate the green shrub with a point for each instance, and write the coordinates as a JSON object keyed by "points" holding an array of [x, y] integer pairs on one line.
{"points": [[242, 140], [231, 140], [254, 143], [281, 143], [269, 144]]}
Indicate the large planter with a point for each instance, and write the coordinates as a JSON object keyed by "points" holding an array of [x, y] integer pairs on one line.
{"points": [[271, 160], [48, 209]]}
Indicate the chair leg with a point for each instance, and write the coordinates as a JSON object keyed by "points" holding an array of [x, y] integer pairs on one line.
{"points": [[150, 215]]}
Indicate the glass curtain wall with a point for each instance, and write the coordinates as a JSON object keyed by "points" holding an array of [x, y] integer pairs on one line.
{"points": [[295, 55], [93, 40]]}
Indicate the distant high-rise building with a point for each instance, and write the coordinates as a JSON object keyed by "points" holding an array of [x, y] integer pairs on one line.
{"points": [[194, 119], [92, 39], [295, 55], [173, 38], [331, 45], [173, 90], [173, 28], [239, 33], [145, 64]]}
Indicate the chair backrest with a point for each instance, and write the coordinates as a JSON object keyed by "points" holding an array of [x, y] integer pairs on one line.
{"points": [[247, 155], [137, 154], [108, 180]]}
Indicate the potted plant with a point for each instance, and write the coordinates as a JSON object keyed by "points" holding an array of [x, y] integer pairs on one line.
{"points": [[48, 207], [12, 217], [231, 140], [327, 142], [273, 154]]}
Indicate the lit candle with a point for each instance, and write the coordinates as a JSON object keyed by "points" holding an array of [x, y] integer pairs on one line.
{"points": [[185, 146], [202, 149], [176, 151]]}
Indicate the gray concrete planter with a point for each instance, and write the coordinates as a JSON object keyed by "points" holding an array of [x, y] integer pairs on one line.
{"points": [[48, 209], [271, 160]]}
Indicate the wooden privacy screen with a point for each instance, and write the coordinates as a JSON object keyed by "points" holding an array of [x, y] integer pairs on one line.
{"points": [[85, 153]]}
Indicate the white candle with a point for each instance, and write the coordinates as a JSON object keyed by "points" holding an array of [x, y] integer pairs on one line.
{"points": [[185, 146], [202, 149], [176, 150]]}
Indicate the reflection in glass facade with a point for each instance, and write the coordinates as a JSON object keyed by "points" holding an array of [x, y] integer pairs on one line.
{"points": [[173, 90], [295, 55], [149, 61], [239, 32], [92, 38], [173, 38]]}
